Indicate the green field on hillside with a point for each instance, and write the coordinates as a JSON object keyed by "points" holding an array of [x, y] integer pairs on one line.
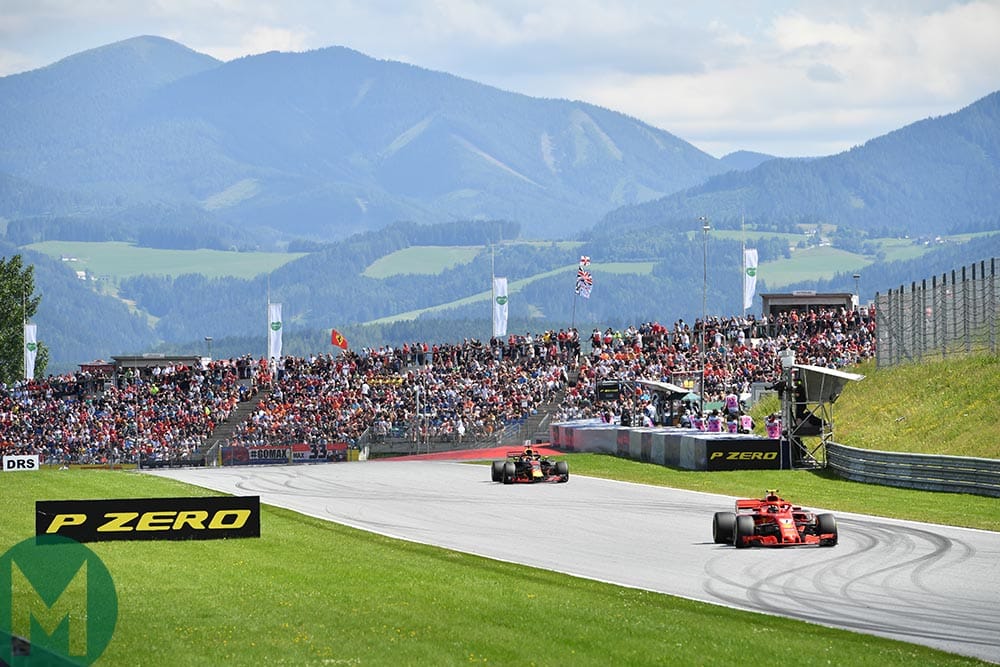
{"points": [[432, 260], [638, 268], [809, 264], [424, 260], [117, 260]]}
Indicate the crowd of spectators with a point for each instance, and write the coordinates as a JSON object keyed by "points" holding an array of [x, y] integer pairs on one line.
{"points": [[166, 413], [418, 390], [736, 352]]}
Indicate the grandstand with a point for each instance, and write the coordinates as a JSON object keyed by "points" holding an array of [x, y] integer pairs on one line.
{"points": [[417, 397]]}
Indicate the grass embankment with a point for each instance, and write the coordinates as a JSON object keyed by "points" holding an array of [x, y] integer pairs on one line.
{"points": [[313, 592], [943, 407], [946, 406]]}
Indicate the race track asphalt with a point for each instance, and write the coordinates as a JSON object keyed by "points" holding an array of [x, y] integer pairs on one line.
{"points": [[933, 585]]}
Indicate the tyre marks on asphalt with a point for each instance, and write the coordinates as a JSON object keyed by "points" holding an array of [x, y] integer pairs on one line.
{"points": [[891, 579]]}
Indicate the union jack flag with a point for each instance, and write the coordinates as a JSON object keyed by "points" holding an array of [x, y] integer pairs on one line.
{"points": [[584, 261], [584, 278]]}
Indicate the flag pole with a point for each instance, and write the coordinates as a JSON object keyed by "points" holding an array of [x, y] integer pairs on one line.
{"points": [[743, 260], [576, 295], [24, 333], [493, 290]]}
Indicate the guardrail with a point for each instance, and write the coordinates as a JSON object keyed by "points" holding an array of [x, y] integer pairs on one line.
{"points": [[956, 474]]}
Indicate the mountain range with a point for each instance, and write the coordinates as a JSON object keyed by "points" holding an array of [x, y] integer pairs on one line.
{"points": [[319, 144], [354, 158]]}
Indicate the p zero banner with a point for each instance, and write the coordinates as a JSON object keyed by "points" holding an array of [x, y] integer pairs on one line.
{"points": [[208, 518], [20, 462], [733, 454]]}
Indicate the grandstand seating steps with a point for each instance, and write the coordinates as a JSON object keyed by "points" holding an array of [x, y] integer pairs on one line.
{"points": [[224, 431]]}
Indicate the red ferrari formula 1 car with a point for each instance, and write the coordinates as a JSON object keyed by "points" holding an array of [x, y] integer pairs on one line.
{"points": [[772, 521], [528, 466]]}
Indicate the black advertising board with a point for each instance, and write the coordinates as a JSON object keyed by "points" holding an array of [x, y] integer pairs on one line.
{"points": [[608, 390], [207, 518], [738, 454]]}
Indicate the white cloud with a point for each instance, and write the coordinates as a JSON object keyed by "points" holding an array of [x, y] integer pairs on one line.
{"points": [[790, 77], [881, 72], [257, 39]]}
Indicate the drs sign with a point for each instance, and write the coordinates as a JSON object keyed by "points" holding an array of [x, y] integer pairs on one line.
{"points": [[20, 462]]}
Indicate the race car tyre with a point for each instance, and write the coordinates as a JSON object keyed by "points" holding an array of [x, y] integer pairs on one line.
{"points": [[497, 470], [723, 526], [743, 530], [827, 523], [509, 472], [562, 468]]}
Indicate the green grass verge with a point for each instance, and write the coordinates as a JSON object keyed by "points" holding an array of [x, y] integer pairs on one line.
{"points": [[313, 592], [117, 260]]}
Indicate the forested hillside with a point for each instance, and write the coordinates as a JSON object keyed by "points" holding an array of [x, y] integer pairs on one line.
{"points": [[941, 175], [328, 289]]}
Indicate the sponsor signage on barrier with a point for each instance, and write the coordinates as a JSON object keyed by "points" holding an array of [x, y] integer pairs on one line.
{"points": [[299, 453], [207, 518], [20, 462], [622, 440], [318, 453], [743, 455], [646, 447]]}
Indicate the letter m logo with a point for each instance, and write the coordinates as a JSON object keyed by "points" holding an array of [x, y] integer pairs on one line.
{"points": [[58, 595], [59, 624]]}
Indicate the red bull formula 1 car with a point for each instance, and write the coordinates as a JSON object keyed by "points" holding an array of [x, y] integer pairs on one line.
{"points": [[528, 466], [772, 521]]}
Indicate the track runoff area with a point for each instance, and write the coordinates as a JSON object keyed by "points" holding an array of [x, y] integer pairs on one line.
{"points": [[925, 584]]}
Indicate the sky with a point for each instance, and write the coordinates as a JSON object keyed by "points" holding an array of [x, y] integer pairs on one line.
{"points": [[782, 77]]}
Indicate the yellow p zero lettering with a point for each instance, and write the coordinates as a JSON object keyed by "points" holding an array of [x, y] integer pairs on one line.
{"points": [[239, 518], [193, 518], [716, 455], [60, 520], [156, 521], [117, 522]]}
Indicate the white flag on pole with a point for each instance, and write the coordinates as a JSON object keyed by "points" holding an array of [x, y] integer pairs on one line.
{"points": [[30, 350], [749, 276], [499, 307], [274, 331]]}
